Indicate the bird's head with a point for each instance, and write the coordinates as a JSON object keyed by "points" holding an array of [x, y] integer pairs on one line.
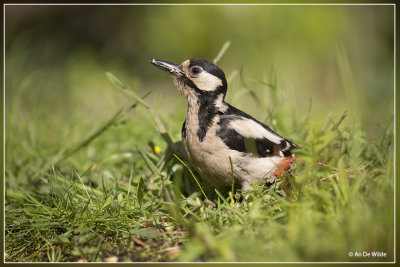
{"points": [[197, 79]]}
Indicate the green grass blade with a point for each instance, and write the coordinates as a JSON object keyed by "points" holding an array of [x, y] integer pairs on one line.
{"points": [[337, 124], [112, 121], [116, 81], [233, 180], [77, 174], [148, 162], [222, 52], [129, 184], [140, 192], [92, 137], [194, 177]]}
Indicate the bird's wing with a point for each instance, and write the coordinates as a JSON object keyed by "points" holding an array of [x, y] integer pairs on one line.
{"points": [[246, 134]]}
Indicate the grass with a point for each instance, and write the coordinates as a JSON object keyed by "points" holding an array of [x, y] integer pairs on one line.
{"points": [[111, 192]]}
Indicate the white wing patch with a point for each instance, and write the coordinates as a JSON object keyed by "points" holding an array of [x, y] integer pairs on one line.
{"points": [[219, 103], [251, 129], [206, 81]]}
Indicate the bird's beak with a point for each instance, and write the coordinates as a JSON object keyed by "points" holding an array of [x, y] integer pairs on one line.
{"points": [[172, 68]]}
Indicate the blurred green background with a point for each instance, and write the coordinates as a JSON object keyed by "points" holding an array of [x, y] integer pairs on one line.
{"points": [[331, 58], [334, 58], [56, 56]]}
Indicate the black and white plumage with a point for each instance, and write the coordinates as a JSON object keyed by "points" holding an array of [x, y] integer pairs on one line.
{"points": [[213, 130]]}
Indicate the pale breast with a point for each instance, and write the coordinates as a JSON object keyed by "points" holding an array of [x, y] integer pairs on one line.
{"points": [[210, 157]]}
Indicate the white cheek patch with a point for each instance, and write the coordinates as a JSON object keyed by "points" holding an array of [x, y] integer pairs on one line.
{"points": [[206, 81], [251, 129], [219, 103]]}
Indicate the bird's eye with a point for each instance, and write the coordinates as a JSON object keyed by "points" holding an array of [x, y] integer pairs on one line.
{"points": [[195, 70]]}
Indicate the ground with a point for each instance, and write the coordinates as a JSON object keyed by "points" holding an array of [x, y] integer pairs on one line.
{"points": [[106, 197]]}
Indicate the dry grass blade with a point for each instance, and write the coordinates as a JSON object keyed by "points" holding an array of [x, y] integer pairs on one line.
{"points": [[159, 125], [112, 121]]}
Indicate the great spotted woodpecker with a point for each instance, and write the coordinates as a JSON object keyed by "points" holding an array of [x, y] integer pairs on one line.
{"points": [[215, 131]]}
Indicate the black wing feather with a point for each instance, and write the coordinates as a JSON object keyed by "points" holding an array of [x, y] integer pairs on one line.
{"points": [[235, 141]]}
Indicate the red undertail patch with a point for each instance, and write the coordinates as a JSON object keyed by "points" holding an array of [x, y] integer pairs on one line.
{"points": [[287, 164]]}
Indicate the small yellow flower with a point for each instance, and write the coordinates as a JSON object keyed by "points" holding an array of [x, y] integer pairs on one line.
{"points": [[157, 150]]}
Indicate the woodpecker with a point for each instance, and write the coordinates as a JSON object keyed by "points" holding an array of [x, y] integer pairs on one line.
{"points": [[214, 133]]}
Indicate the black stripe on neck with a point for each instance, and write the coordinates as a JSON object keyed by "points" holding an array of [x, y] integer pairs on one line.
{"points": [[207, 111]]}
